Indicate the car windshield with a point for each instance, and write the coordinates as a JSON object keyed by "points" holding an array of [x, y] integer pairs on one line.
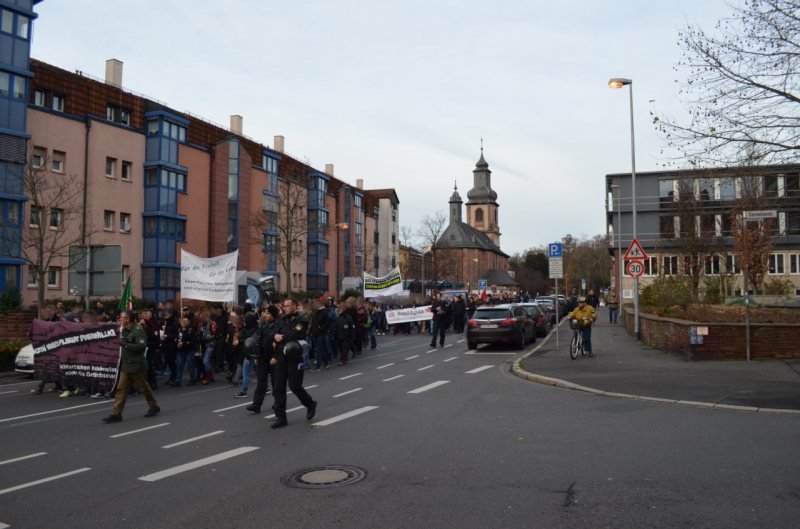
{"points": [[491, 314], [532, 310], [548, 302]]}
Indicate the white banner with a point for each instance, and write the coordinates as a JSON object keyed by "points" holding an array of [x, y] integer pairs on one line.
{"points": [[383, 286], [211, 279], [406, 315]]}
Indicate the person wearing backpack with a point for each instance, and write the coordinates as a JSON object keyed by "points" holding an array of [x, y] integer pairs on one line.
{"points": [[320, 324]]}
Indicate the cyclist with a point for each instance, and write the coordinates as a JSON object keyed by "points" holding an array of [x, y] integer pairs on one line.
{"points": [[586, 315]]}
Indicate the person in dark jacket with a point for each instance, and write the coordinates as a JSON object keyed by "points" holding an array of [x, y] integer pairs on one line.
{"points": [[343, 333], [220, 318], [441, 315], [169, 343], [236, 334], [592, 300], [459, 311], [150, 328], [248, 356], [186, 347], [320, 324], [265, 354]]}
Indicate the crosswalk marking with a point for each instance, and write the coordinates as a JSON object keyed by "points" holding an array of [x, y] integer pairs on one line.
{"points": [[350, 376], [387, 365], [139, 430], [345, 416], [393, 378], [45, 480], [347, 392], [22, 458], [478, 370], [287, 411], [194, 439], [424, 368], [429, 386], [197, 464], [450, 359], [412, 357]]}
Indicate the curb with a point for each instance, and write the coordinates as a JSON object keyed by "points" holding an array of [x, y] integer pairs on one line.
{"points": [[517, 370]]}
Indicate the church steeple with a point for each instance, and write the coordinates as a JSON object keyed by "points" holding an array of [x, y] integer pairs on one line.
{"points": [[455, 205], [482, 203]]}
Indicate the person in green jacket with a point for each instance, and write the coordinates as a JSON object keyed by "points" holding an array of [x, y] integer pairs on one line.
{"points": [[133, 367], [613, 306]]}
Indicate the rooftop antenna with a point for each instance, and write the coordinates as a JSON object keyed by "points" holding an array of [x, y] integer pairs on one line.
{"points": [[481, 144]]}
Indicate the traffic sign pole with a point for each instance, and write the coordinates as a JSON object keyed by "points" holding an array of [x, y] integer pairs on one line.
{"points": [[556, 271], [635, 251]]}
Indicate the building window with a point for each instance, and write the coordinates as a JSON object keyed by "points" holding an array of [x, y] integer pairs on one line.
{"points": [[712, 265], [58, 162], [150, 227], [14, 83], [126, 171], [358, 234], [22, 26], [666, 192], [58, 102], [776, 264], [793, 268], [37, 160], [53, 276], [8, 22], [793, 222], [377, 238], [479, 215], [667, 223], [791, 185], [670, 266], [376, 264], [108, 220], [152, 127], [651, 266], [730, 265], [152, 177], [771, 186], [727, 226], [394, 239], [13, 213], [31, 278], [55, 219], [394, 212], [39, 98], [164, 228], [394, 263], [269, 164], [110, 163], [34, 221], [118, 114], [727, 189], [126, 271], [124, 222]]}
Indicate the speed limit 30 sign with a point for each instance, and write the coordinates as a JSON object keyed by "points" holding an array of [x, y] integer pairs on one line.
{"points": [[635, 268]]}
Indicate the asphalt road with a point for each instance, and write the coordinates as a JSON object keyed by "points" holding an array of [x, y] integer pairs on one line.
{"points": [[481, 449]]}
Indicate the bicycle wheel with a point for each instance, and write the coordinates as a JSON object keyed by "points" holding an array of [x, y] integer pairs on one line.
{"points": [[573, 347]]}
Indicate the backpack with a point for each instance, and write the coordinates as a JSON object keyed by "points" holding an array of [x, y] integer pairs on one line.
{"points": [[209, 331], [362, 316]]}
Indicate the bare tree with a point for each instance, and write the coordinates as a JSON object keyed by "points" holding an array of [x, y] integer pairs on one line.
{"points": [[430, 233], [56, 207], [742, 88]]}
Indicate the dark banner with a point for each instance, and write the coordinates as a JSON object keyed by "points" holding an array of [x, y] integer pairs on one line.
{"points": [[79, 354]]}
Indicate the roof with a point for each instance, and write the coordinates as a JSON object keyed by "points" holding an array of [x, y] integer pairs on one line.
{"points": [[383, 193], [461, 235], [482, 192], [500, 278]]}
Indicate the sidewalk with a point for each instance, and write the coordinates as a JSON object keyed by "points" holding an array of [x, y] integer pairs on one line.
{"points": [[625, 365]]}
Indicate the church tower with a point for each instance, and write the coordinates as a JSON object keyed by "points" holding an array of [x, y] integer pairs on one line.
{"points": [[455, 205], [482, 202]]}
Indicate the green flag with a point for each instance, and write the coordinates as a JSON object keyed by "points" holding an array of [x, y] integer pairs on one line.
{"points": [[126, 303]]}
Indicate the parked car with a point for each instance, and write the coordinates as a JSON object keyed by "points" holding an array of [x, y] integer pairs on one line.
{"points": [[552, 309], [539, 314], [24, 361], [508, 323], [562, 305]]}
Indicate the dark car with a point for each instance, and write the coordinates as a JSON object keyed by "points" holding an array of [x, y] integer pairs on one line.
{"points": [[552, 308], [501, 324], [538, 314]]}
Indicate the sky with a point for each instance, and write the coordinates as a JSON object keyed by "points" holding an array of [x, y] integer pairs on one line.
{"points": [[399, 94]]}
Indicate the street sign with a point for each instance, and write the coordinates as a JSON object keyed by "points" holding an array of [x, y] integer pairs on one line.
{"points": [[554, 250], [556, 268], [635, 268], [481, 284], [253, 295], [583, 284], [764, 214], [635, 251]]}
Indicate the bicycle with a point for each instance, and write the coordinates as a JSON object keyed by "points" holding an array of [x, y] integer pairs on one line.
{"points": [[577, 338]]}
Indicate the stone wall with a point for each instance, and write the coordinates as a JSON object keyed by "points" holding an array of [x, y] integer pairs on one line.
{"points": [[725, 341], [15, 325]]}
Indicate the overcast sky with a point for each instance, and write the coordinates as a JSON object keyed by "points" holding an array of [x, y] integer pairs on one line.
{"points": [[399, 93]]}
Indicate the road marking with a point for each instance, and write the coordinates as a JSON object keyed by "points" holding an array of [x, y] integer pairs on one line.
{"points": [[412, 357], [429, 386], [450, 359], [140, 430], [230, 408], [347, 392], [199, 463], [350, 376], [424, 368], [7, 392], [55, 411], [448, 345], [478, 370], [461, 340], [312, 387], [431, 351], [345, 416], [194, 439], [387, 365], [45, 480], [287, 411], [393, 378], [471, 353], [21, 458], [20, 383]]}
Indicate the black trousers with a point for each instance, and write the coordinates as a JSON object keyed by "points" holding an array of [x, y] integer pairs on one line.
{"points": [[152, 354], [170, 357], [219, 354], [359, 342], [440, 329], [263, 372], [286, 371]]}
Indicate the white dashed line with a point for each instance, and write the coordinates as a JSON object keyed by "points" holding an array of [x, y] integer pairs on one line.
{"points": [[199, 463], [450, 359], [350, 376], [45, 480], [139, 430], [22, 458], [448, 345], [347, 392], [429, 386], [232, 407], [393, 378], [412, 357], [431, 351], [7, 392], [55, 411], [287, 411], [311, 387], [478, 370], [461, 340], [387, 365], [424, 368], [194, 439], [345, 416]]}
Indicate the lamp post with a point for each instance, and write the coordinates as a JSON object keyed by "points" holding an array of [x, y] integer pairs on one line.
{"points": [[619, 83], [426, 249], [619, 228]]}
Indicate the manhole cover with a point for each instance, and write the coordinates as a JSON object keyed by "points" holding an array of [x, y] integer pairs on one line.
{"points": [[324, 477]]}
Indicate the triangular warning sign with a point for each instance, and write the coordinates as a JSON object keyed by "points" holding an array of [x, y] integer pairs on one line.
{"points": [[635, 251]]}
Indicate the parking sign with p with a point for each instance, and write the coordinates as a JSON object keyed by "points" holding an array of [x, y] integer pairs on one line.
{"points": [[554, 249]]}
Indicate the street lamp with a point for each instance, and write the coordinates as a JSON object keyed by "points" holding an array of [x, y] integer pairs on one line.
{"points": [[473, 272], [619, 83], [619, 228], [426, 249]]}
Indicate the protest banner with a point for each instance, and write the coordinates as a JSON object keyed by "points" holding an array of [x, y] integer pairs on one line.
{"points": [[383, 286], [408, 315], [212, 279], [76, 354]]}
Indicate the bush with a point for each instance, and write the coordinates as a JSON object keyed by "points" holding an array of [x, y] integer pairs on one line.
{"points": [[10, 299], [713, 292], [668, 291], [8, 352], [352, 292], [778, 287]]}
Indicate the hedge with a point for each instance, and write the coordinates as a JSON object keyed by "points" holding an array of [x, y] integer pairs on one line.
{"points": [[8, 353]]}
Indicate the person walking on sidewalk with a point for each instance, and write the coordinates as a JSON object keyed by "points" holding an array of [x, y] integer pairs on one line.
{"points": [[592, 300], [133, 367], [613, 306], [586, 315]]}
